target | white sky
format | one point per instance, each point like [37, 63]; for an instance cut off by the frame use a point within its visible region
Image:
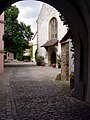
[29, 11]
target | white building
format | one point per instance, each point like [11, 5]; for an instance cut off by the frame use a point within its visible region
[50, 31]
[34, 41]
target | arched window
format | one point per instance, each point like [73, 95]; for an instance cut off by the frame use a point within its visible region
[53, 28]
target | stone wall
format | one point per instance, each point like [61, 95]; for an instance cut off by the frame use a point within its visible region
[1, 42]
[65, 61]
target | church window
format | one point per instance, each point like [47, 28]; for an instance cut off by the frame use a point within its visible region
[53, 28]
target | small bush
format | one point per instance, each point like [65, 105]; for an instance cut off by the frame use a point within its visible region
[39, 60]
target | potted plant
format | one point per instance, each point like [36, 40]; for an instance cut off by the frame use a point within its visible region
[72, 78]
[54, 65]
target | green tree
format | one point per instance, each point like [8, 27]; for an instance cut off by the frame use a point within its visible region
[16, 35]
[25, 31]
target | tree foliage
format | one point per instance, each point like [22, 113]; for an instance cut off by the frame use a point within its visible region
[63, 19]
[16, 35]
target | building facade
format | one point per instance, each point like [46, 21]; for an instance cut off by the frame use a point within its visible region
[1, 42]
[50, 30]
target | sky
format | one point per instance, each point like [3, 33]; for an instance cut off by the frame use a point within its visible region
[29, 11]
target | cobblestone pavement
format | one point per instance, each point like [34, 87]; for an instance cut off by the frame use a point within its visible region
[31, 93]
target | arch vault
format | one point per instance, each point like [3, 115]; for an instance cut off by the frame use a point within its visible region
[77, 14]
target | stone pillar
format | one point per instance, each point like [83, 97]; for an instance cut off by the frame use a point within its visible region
[65, 61]
[1, 42]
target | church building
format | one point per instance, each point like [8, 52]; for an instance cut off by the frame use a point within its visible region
[50, 31]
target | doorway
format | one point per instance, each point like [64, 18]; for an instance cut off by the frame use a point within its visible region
[53, 57]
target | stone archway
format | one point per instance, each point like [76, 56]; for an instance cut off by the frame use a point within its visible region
[77, 14]
[52, 55]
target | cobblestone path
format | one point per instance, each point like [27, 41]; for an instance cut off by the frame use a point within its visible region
[31, 93]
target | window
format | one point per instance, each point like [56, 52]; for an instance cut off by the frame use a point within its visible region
[53, 28]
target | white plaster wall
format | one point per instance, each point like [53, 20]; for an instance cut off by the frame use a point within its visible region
[34, 40]
[46, 14]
